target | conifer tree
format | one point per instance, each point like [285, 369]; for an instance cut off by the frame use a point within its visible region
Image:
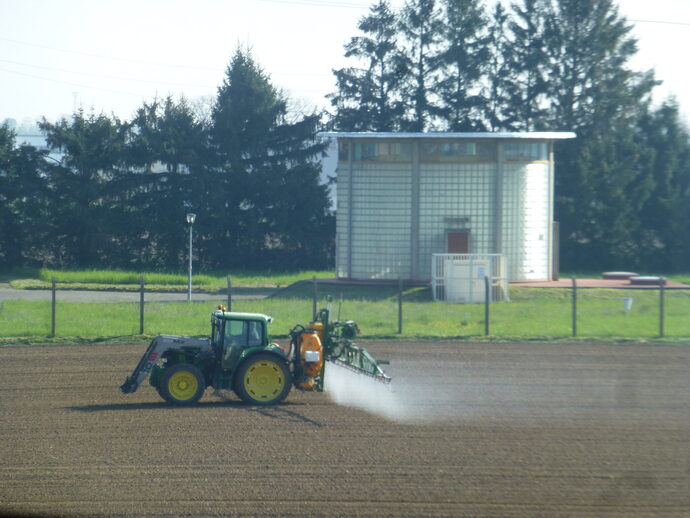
[94, 151]
[167, 148]
[420, 25]
[666, 214]
[368, 98]
[263, 199]
[527, 62]
[587, 48]
[603, 176]
[24, 203]
[497, 72]
[464, 53]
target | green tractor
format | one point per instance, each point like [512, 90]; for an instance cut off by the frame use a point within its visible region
[240, 357]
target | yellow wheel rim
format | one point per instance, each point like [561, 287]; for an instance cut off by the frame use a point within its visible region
[183, 385]
[264, 380]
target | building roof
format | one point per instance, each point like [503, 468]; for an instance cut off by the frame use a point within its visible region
[503, 135]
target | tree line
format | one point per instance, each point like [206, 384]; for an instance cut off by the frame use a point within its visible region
[622, 187]
[250, 169]
[119, 194]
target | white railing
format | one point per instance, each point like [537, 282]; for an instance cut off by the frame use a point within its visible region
[459, 278]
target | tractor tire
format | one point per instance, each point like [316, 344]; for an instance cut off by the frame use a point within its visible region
[263, 379]
[182, 384]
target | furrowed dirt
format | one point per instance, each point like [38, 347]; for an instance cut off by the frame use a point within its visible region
[478, 430]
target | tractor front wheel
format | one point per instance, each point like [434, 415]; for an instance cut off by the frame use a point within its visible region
[182, 384]
[263, 379]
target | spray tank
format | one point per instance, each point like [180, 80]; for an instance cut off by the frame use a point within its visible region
[326, 344]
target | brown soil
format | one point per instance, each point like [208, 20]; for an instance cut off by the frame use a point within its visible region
[528, 430]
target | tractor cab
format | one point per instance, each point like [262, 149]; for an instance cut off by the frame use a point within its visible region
[234, 333]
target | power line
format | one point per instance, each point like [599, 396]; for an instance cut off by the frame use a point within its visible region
[658, 21]
[102, 56]
[274, 72]
[321, 3]
[73, 84]
[119, 78]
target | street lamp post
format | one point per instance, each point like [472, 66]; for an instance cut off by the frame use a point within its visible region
[190, 219]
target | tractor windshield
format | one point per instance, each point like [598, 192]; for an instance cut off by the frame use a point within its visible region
[243, 333]
[240, 334]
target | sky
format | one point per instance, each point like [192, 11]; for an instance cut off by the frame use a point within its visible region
[111, 56]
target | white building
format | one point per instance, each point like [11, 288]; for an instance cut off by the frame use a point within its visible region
[405, 196]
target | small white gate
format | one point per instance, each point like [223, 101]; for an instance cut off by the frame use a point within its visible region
[459, 278]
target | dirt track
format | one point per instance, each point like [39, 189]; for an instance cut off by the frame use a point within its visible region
[529, 430]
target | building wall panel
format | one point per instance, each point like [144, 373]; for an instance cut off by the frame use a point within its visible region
[455, 197]
[381, 200]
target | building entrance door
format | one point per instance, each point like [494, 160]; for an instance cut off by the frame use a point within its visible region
[458, 242]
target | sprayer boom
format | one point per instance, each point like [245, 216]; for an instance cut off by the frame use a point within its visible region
[379, 376]
[324, 344]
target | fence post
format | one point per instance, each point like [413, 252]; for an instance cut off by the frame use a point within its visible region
[141, 305]
[662, 281]
[52, 318]
[315, 295]
[400, 305]
[486, 305]
[229, 293]
[574, 306]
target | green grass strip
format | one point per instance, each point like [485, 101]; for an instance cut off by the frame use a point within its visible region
[534, 314]
[214, 280]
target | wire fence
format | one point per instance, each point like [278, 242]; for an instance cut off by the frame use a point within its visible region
[644, 313]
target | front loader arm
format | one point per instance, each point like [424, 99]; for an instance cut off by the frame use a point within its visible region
[153, 354]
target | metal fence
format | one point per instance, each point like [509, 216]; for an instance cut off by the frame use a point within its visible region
[459, 278]
[573, 311]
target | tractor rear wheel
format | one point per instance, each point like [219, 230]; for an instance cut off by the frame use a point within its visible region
[182, 384]
[263, 379]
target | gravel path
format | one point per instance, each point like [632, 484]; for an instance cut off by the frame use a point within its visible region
[9, 293]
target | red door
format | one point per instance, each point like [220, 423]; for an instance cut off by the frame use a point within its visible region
[458, 242]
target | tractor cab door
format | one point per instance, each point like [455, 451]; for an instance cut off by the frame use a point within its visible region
[238, 335]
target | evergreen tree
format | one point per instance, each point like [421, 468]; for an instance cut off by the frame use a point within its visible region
[464, 52]
[168, 147]
[24, 203]
[368, 98]
[420, 25]
[603, 176]
[264, 201]
[82, 184]
[498, 72]
[588, 47]
[666, 213]
[527, 61]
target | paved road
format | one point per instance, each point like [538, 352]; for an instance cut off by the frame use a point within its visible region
[9, 293]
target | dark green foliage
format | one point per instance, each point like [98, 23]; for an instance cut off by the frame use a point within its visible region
[604, 177]
[421, 27]
[464, 54]
[24, 202]
[167, 152]
[527, 61]
[267, 207]
[369, 98]
[665, 216]
[498, 72]
[119, 195]
[82, 185]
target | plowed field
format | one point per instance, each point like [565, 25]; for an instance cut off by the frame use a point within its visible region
[477, 430]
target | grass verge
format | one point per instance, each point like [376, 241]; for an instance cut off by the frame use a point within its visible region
[118, 280]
